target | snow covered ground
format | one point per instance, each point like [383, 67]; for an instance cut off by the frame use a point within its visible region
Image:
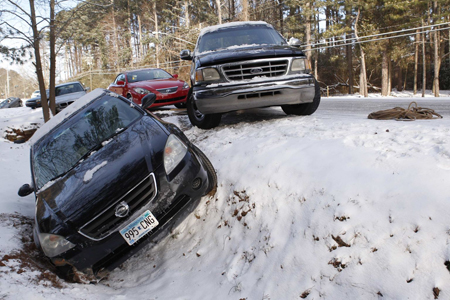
[328, 206]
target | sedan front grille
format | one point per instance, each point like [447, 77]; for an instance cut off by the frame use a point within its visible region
[258, 68]
[107, 221]
[169, 90]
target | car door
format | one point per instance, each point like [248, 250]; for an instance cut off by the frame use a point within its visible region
[118, 86]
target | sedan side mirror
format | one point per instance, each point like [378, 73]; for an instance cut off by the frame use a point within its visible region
[186, 55]
[148, 100]
[120, 82]
[25, 190]
[175, 76]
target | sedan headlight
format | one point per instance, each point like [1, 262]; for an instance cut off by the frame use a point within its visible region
[207, 74]
[53, 244]
[185, 86]
[174, 152]
[141, 91]
[299, 65]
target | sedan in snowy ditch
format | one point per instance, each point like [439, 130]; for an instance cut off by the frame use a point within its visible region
[243, 65]
[109, 176]
[136, 84]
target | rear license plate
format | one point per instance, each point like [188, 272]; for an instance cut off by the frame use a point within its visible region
[139, 227]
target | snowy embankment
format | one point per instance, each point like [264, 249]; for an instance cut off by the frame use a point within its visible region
[329, 206]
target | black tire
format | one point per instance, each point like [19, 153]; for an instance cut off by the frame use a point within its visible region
[304, 109]
[204, 121]
[180, 105]
[212, 176]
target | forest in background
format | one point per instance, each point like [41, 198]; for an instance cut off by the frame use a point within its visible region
[382, 44]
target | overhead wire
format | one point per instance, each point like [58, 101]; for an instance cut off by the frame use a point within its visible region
[359, 41]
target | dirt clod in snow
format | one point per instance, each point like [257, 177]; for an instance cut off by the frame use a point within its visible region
[436, 292]
[339, 241]
[337, 264]
[305, 294]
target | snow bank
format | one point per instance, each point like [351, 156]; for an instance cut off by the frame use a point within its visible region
[328, 206]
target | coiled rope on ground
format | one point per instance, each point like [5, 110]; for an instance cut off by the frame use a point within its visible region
[400, 114]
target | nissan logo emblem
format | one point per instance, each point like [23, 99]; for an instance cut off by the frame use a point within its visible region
[256, 70]
[122, 209]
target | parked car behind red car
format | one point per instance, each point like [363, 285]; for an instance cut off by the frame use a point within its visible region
[138, 83]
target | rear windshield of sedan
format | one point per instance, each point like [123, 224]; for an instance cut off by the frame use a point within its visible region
[239, 36]
[147, 75]
[61, 149]
[68, 89]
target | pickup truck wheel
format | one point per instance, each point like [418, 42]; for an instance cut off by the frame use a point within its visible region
[204, 121]
[304, 109]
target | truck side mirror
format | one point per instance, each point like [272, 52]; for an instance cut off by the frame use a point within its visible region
[186, 55]
[294, 42]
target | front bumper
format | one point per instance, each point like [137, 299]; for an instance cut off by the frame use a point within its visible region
[220, 98]
[162, 99]
[92, 257]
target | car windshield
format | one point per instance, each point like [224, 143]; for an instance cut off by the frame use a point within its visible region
[239, 36]
[68, 89]
[61, 149]
[143, 75]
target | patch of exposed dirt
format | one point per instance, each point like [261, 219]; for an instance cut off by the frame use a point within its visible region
[22, 134]
[337, 264]
[28, 259]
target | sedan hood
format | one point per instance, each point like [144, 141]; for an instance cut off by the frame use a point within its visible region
[247, 53]
[156, 84]
[104, 177]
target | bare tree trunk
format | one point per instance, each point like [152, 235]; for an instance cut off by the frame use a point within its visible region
[155, 15]
[141, 45]
[52, 59]
[399, 77]
[437, 57]
[385, 74]
[308, 31]
[187, 19]
[363, 73]
[38, 64]
[424, 67]
[416, 60]
[280, 15]
[116, 38]
[245, 9]
[219, 11]
[389, 76]
[349, 51]
[130, 40]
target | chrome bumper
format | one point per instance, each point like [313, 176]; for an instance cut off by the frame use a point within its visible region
[220, 98]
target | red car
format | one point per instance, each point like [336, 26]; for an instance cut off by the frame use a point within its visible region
[136, 84]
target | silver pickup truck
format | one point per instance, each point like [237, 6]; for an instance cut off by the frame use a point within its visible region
[242, 65]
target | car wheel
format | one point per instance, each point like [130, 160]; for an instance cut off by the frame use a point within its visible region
[212, 176]
[304, 109]
[180, 105]
[204, 121]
